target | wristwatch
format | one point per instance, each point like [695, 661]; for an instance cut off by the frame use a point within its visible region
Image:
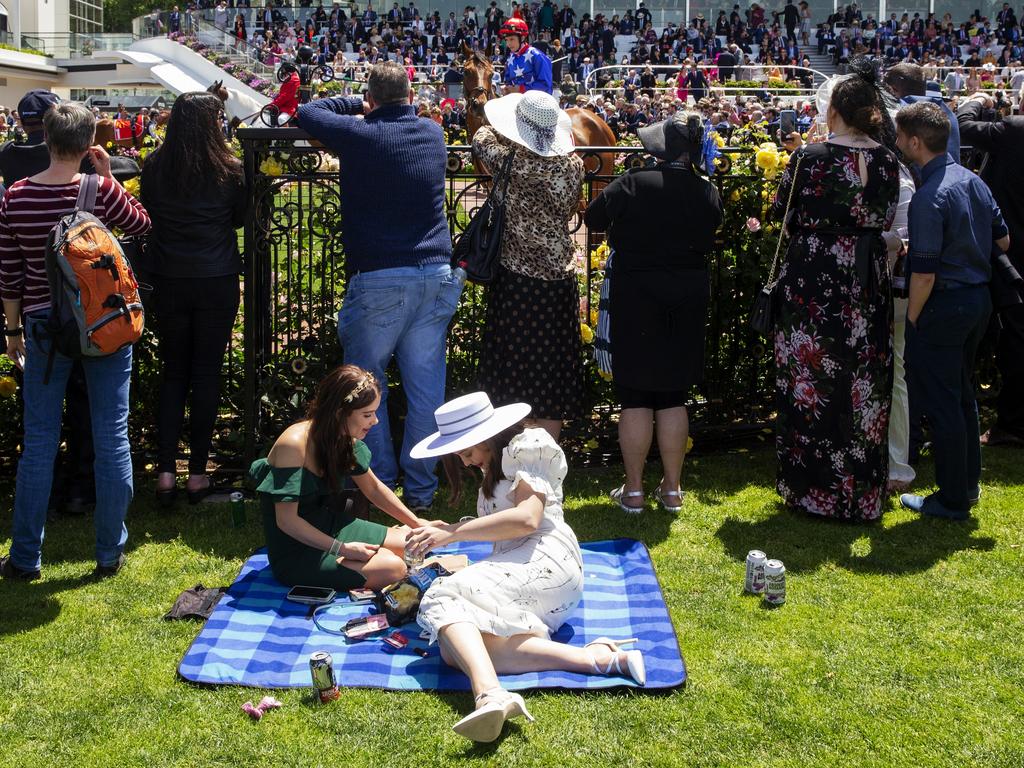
[9, 332]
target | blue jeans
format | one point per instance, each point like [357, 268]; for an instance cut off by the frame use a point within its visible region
[940, 360]
[108, 380]
[403, 313]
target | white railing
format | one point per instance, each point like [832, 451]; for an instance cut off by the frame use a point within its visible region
[713, 85]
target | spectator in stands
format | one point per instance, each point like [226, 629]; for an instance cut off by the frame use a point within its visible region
[531, 340]
[658, 299]
[401, 292]
[193, 188]
[28, 212]
[955, 81]
[726, 63]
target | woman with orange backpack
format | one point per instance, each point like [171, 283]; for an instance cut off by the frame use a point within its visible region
[29, 212]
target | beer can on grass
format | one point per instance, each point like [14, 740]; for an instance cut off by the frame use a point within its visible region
[321, 668]
[237, 509]
[775, 582]
[754, 582]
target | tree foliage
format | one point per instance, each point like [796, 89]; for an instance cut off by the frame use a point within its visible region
[118, 14]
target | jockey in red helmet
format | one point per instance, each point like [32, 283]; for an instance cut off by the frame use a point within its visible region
[528, 69]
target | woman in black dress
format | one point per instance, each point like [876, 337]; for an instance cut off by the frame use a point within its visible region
[658, 299]
[833, 344]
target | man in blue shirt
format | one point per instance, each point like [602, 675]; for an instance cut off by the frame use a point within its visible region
[953, 222]
[401, 291]
[528, 69]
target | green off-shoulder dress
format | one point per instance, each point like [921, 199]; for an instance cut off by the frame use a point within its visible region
[293, 562]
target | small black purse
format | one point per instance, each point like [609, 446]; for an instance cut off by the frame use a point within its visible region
[478, 249]
[764, 311]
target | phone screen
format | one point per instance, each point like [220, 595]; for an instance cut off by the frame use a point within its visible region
[787, 122]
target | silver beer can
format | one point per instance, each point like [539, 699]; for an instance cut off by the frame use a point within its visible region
[321, 668]
[775, 582]
[754, 582]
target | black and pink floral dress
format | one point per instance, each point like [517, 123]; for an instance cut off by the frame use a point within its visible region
[833, 347]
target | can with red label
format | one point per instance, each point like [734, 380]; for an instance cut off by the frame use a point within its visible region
[321, 667]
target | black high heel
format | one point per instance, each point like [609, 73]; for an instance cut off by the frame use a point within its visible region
[165, 499]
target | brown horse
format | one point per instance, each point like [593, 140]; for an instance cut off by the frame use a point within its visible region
[588, 130]
[105, 131]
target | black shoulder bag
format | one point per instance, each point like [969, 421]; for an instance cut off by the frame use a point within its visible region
[763, 313]
[478, 249]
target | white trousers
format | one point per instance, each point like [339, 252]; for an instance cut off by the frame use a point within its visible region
[899, 417]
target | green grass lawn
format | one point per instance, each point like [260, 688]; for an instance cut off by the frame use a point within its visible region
[900, 645]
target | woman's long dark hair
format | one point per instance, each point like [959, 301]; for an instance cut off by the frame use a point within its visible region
[455, 470]
[194, 154]
[346, 389]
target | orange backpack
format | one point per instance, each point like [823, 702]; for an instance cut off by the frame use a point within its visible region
[95, 305]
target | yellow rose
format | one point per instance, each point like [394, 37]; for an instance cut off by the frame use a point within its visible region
[605, 375]
[735, 196]
[271, 167]
[586, 333]
[719, 141]
[766, 159]
[689, 444]
[8, 386]
[593, 317]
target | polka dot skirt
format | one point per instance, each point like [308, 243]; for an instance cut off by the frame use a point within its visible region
[531, 345]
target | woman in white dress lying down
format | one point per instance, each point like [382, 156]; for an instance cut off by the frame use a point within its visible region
[496, 616]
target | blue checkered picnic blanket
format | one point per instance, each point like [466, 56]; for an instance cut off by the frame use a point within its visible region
[256, 637]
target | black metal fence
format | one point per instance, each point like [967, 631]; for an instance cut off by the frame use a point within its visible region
[294, 283]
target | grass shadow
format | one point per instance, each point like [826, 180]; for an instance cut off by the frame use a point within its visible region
[25, 606]
[806, 543]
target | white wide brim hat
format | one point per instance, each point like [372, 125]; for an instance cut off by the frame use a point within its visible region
[465, 422]
[533, 120]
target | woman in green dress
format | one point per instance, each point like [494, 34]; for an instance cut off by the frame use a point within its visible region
[313, 538]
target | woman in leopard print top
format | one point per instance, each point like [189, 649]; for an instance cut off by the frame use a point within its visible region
[531, 343]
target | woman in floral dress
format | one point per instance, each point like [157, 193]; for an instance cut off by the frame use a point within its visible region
[833, 347]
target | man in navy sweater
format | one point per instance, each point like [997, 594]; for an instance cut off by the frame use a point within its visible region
[401, 290]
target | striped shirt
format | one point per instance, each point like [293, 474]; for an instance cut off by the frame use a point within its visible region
[27, 214]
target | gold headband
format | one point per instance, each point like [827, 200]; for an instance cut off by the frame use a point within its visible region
[367, 381]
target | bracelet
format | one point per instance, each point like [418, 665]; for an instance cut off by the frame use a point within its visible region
[335, 549]
[14, 331]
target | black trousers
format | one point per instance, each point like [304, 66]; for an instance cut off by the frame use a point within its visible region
[1010, 360]
[194, 321]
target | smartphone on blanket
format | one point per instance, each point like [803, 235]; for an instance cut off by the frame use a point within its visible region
[311, 595]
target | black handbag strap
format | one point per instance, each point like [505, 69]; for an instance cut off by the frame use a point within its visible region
[502, 179]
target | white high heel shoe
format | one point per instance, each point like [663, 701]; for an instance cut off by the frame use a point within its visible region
[494, 707]
[634, 659]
